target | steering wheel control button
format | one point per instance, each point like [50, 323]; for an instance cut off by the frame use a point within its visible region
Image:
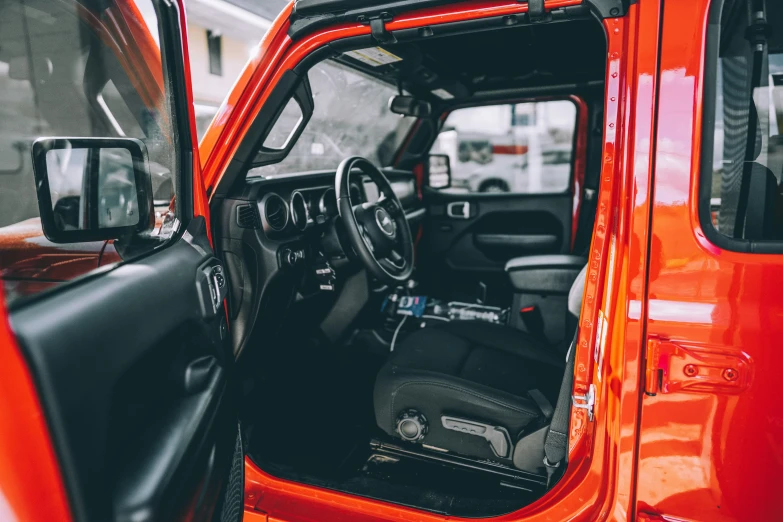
[412, 426]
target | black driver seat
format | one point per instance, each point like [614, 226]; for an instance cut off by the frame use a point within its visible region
[472, 388]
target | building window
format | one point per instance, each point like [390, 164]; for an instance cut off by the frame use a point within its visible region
[215, 49]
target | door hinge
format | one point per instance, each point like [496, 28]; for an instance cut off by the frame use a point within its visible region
[586, 401]
[378, 27]
[672, 367]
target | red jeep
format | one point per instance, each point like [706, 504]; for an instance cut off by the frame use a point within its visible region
[433, 260]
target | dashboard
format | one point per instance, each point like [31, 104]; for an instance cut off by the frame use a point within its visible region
[284, 210]
[280, 245]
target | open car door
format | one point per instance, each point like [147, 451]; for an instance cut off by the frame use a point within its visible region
[130, 358]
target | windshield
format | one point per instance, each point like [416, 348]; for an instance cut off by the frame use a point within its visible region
[351, 118]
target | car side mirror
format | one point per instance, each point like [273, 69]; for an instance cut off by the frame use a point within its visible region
[92, 189]
[409, 106]
[439, 171]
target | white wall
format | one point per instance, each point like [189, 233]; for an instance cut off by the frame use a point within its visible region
[208, 88]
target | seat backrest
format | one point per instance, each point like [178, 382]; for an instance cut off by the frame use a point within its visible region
[576, 293]
[761, 217]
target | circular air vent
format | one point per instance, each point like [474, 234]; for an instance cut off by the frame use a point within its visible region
[274, 212]
[299, 214]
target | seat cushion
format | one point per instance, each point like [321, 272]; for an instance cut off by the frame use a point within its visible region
[472, 370]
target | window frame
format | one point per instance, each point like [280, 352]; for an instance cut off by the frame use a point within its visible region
[704, 176]
[515, 101]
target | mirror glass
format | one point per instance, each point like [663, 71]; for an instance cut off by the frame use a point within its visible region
[92, 188]
[409, 106]
[285, 126]
[439, 171]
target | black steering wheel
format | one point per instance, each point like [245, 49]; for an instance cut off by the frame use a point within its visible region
[377, 231]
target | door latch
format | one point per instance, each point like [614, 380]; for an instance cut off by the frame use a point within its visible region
[672, 367]
[586, 401]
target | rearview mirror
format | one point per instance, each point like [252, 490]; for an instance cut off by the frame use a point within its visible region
[92, 189]
[409, 106]
[439, 171]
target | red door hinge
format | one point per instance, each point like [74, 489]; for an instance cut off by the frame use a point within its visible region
[674, 367]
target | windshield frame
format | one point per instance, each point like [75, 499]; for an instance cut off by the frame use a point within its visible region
[399, 134]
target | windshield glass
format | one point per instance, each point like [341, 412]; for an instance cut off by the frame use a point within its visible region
[351, 118]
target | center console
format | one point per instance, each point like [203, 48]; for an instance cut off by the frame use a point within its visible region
[399, 305]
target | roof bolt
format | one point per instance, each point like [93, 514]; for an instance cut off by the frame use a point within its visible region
[690, 370]
[730, 374]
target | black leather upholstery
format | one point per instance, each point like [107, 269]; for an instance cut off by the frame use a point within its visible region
[471, 370]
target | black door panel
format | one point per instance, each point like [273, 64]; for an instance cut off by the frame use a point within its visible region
[133, 368]
[463, 245]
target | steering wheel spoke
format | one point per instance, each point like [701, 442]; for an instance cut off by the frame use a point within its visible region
[390, 205]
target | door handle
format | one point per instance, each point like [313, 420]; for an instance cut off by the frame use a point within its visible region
[458, 210]
[198, 374]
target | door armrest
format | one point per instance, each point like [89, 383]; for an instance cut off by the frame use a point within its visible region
[549, 274]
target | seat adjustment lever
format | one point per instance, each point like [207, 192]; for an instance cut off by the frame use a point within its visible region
[497, 436]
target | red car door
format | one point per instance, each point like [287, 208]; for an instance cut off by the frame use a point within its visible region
[117, 400]
[711, 422]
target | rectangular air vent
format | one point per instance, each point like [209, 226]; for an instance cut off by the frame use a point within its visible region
[247, 216]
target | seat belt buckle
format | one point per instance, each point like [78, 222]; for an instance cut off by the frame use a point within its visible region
[532, 319]
[586, 401]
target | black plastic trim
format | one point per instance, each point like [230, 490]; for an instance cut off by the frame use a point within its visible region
[89, 347]
[250, 152]
[138, 152]
[171, 36]
[610, 8]
[708, 138]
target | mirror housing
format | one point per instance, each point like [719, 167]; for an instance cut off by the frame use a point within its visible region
[92, 189]
[409, 106]
[438, 173]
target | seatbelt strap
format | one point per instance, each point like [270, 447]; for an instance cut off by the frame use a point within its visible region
[556, 441]
[543, 403]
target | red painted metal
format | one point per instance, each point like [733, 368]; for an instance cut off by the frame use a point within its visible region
[674, 367]
[706, 446]
[714, 454]
[30, 484]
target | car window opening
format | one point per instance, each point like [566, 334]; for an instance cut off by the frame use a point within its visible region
[510, 130]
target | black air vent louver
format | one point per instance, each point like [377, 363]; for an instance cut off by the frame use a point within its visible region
[275, 212]
[247, 216]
